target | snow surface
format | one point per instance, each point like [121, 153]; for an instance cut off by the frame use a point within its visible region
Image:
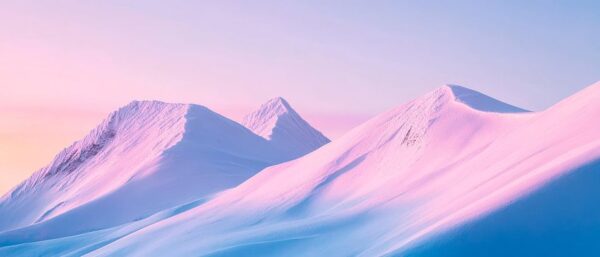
[277, 122]
[560, 219]
[392, 186]
[143, 158]
[480, 101]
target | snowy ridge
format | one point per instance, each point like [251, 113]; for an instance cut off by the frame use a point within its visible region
[264, 120]
[411, 121]
[383, 186]
[83, 150]
[55, 187]
[368, 178]
[480, 101]
[176, 152]
[391, 184]
[410, 130]
[277, 122]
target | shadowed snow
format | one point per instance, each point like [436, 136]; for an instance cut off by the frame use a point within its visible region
[398, 180]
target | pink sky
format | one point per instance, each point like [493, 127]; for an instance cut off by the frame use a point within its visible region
[65, 65]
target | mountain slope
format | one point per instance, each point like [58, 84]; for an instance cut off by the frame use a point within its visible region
[403, 176]
[393, 183]
[143, 158]
[277, 122]
[560, 219]
[480, 101]
[356, 195]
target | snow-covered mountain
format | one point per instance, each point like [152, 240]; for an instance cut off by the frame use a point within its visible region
[277, 122]
[143, 158]
[551, 190]
[394, 185]
[352, 194]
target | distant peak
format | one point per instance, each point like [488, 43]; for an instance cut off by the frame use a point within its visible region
[478, 100]
[150, 103]
[264, 120]
[277, 105]
[278, 100]
[277, 122]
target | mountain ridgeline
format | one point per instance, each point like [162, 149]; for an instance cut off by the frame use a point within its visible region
[152, 154]
[451, 173]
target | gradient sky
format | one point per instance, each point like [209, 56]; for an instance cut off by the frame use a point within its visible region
[64, 65]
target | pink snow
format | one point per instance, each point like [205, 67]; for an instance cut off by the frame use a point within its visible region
[403, 176]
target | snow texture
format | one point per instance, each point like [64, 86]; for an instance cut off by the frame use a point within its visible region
[453, 163]
[277, 122]
[143, 158]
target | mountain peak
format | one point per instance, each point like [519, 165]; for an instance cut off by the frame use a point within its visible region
[479, 101]
[148, 105]
[135, 146]
[263, 121]
[279, 123]
[409, 124]
[276, 106]
[278, 100]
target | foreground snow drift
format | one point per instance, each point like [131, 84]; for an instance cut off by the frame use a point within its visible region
[560, 219]
[391, 186]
